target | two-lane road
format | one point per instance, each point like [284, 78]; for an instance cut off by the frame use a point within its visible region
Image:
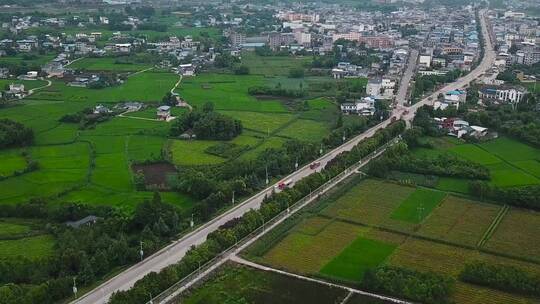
[176, 251]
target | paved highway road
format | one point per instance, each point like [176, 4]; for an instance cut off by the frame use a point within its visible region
[175, 251]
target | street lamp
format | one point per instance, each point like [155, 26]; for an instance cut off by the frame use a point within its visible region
[233, 197]
[296, 164]
[192, 222]
[141, 252]
[267, 180]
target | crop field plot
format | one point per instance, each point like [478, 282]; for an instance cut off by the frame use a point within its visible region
[321, 109]
[142, 147]
[272, 142]
[238, 284]
[517, 234]
[12, 161]
[313, 225]
[453, 184]
[510, 163]
[359, 256]
[144, 87]
[531, 166]
[426, 256]
[371, 202]
[474, 294]
[418, 205]
[306, 130]
[510, 149]
[227, 92]
[261, 122]
[107, 64]
[10, 229]
[273, 65]
[305, 253]
[60, 167]
[460, 221]
[505, 175]
[32, 61]
[191, 152]
[475, 154]
[30, 247]
[28, 84]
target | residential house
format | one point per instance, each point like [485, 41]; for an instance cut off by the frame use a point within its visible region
[364, 107]
[164, 113]
[186, 69]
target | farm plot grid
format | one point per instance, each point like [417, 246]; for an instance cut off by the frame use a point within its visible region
[352, 234]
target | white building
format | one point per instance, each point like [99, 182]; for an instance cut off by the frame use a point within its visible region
[365, 107]
[508, 94]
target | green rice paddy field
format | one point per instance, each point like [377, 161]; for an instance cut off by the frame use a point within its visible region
[94, 165]
[373, 222]
[510, 162]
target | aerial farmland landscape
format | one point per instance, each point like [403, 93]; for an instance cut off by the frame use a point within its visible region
[269, 151]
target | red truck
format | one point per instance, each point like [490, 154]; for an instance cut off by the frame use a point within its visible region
[284, 184]
[314, 165]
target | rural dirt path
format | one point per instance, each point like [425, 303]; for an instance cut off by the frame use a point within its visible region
[139, 72]
[184, 104]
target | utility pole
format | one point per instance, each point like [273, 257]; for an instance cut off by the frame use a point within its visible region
[266, 169]
[233, 197]
[296, 164]
[74, 288]
[141, 252]
[192, 222]
[344, 136]
[320, 150]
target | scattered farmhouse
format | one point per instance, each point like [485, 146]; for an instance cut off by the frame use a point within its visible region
[164, 113]
[365, 107]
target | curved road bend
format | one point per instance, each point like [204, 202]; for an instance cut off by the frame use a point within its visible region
[172, 253]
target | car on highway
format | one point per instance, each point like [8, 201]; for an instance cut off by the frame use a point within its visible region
[284, 184]
[314, 165]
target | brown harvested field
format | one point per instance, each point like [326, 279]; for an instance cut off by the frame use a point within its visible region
[518, 234]
[371, 202]
[472, 294]
[459, 220]
[425, 255]
[304, 253]
[312, 225]
[155, 175]
[386, 237]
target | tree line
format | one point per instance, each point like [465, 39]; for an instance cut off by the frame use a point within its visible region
[236, 229]
[425, 287]
[400, 158]
[502, 277]
[276, 91]
[520, 196]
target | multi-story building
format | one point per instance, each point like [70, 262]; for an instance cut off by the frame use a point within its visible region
[508, 94]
